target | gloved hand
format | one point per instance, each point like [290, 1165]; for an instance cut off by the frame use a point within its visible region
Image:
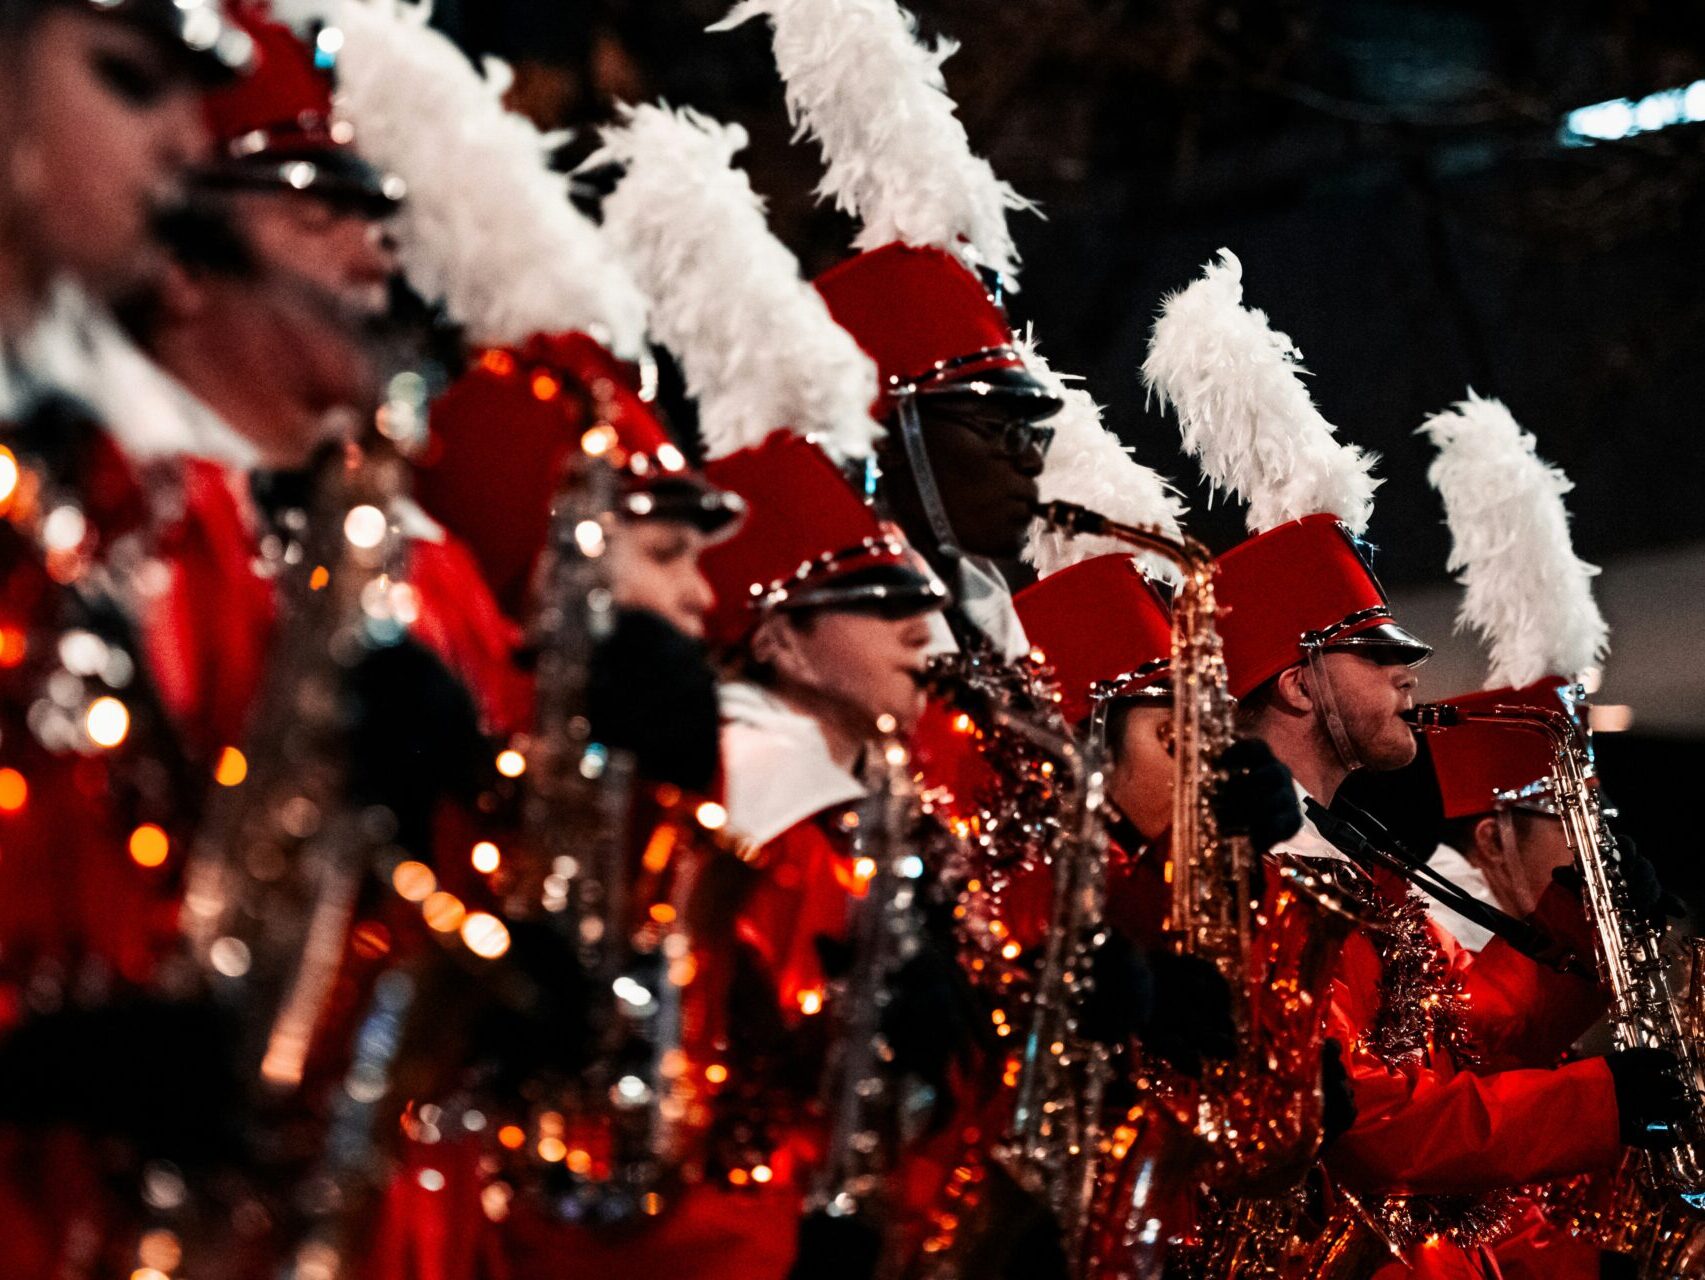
[1653, 903]
[161, 1076]
[844, 1248]
[1256, 796]
[1649, 1096]
[416, 739]
[651, 691]
[1178, 1006]
[1338, 1115]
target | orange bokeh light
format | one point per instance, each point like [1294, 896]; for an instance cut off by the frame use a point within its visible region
[14, 791]
[149, 845]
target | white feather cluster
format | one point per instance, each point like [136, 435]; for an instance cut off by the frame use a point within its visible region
[1089, 466]
[757, 346]
[487, 228]
[1525, 591]
[896, 157]
[1234, 382]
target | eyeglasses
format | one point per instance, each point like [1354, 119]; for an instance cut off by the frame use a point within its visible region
[1014, 438]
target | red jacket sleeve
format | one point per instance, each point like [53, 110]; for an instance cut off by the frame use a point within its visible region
[1524, 1013]
[1431, 1129]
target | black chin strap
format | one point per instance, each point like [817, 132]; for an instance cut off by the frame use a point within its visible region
[1529, 939]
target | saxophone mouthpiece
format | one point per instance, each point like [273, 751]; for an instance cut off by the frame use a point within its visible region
[1432, 715]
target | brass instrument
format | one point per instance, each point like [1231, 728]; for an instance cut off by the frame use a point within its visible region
[1052, 1138]
[272, 882]
[1252, 1123]
[866, 1109]
[1644, 1012]
[606, 1142]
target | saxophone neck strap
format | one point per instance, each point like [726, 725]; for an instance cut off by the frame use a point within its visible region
[1382, 850]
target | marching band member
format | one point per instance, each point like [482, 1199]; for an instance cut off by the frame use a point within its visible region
[1529, 597]
[1322, 672]
[820, 614]
[99, 117]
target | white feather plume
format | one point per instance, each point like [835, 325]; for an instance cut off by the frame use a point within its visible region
[487, 228]
[1525, 591]
[1089, 466]
[1234, 382]
[757, 346]
[871, 93]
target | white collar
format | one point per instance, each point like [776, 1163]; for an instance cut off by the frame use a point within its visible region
[982, 594]
[77, 348]
[1450, 864]
[776, 766]
[1308, 842]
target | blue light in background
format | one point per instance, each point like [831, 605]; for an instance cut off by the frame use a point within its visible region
[1625, 117]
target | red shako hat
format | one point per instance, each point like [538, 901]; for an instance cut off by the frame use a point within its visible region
[808, 541]
[1482, 767]
[275, 128]
[502, 432]
[1104, 630]
[1303, 585]
[930, 325]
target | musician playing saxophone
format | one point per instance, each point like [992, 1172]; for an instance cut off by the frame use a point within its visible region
[1322, 672]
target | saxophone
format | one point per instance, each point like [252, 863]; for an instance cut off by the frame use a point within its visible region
[604, 1145]
[1644, 1012]
[272, 882]
[1252, 1123]
[863, 1098]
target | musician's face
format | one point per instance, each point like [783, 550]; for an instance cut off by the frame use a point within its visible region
[1369, 695]
[98, 123]
[1142, 779]
[864, 664]
[1518, 853]
[655, 566]
[987, 481]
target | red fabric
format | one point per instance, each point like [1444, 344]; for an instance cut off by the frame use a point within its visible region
[1474, 762]
[423, 1233]
[1523, 1013]
[913, 309]
[461, 623]
[501, 434]
[208, 663]
[284, 94]
[1539, 1250]
[805, 528]
[1094, 622]
[1431, 1128]
[1300, 577]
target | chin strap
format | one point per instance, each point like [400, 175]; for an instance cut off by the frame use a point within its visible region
[1326, 700]
[923, 477]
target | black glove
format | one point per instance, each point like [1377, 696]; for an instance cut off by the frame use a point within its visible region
[1650, 1097]
[651, 691]
[1256, 796]
[844, 1248]
[1178, 1006]
[1652, 902]
[161, 1076]
[416, 739]
[1338, 1116]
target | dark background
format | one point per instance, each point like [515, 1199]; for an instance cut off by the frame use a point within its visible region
[1391, 175]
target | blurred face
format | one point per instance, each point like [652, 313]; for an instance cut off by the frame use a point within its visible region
[986, 472]
[1143, 776]
[98, 123]
[1517, 853]
[314, 296]
[1369, 695]
[860, 662]
[654, 565]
